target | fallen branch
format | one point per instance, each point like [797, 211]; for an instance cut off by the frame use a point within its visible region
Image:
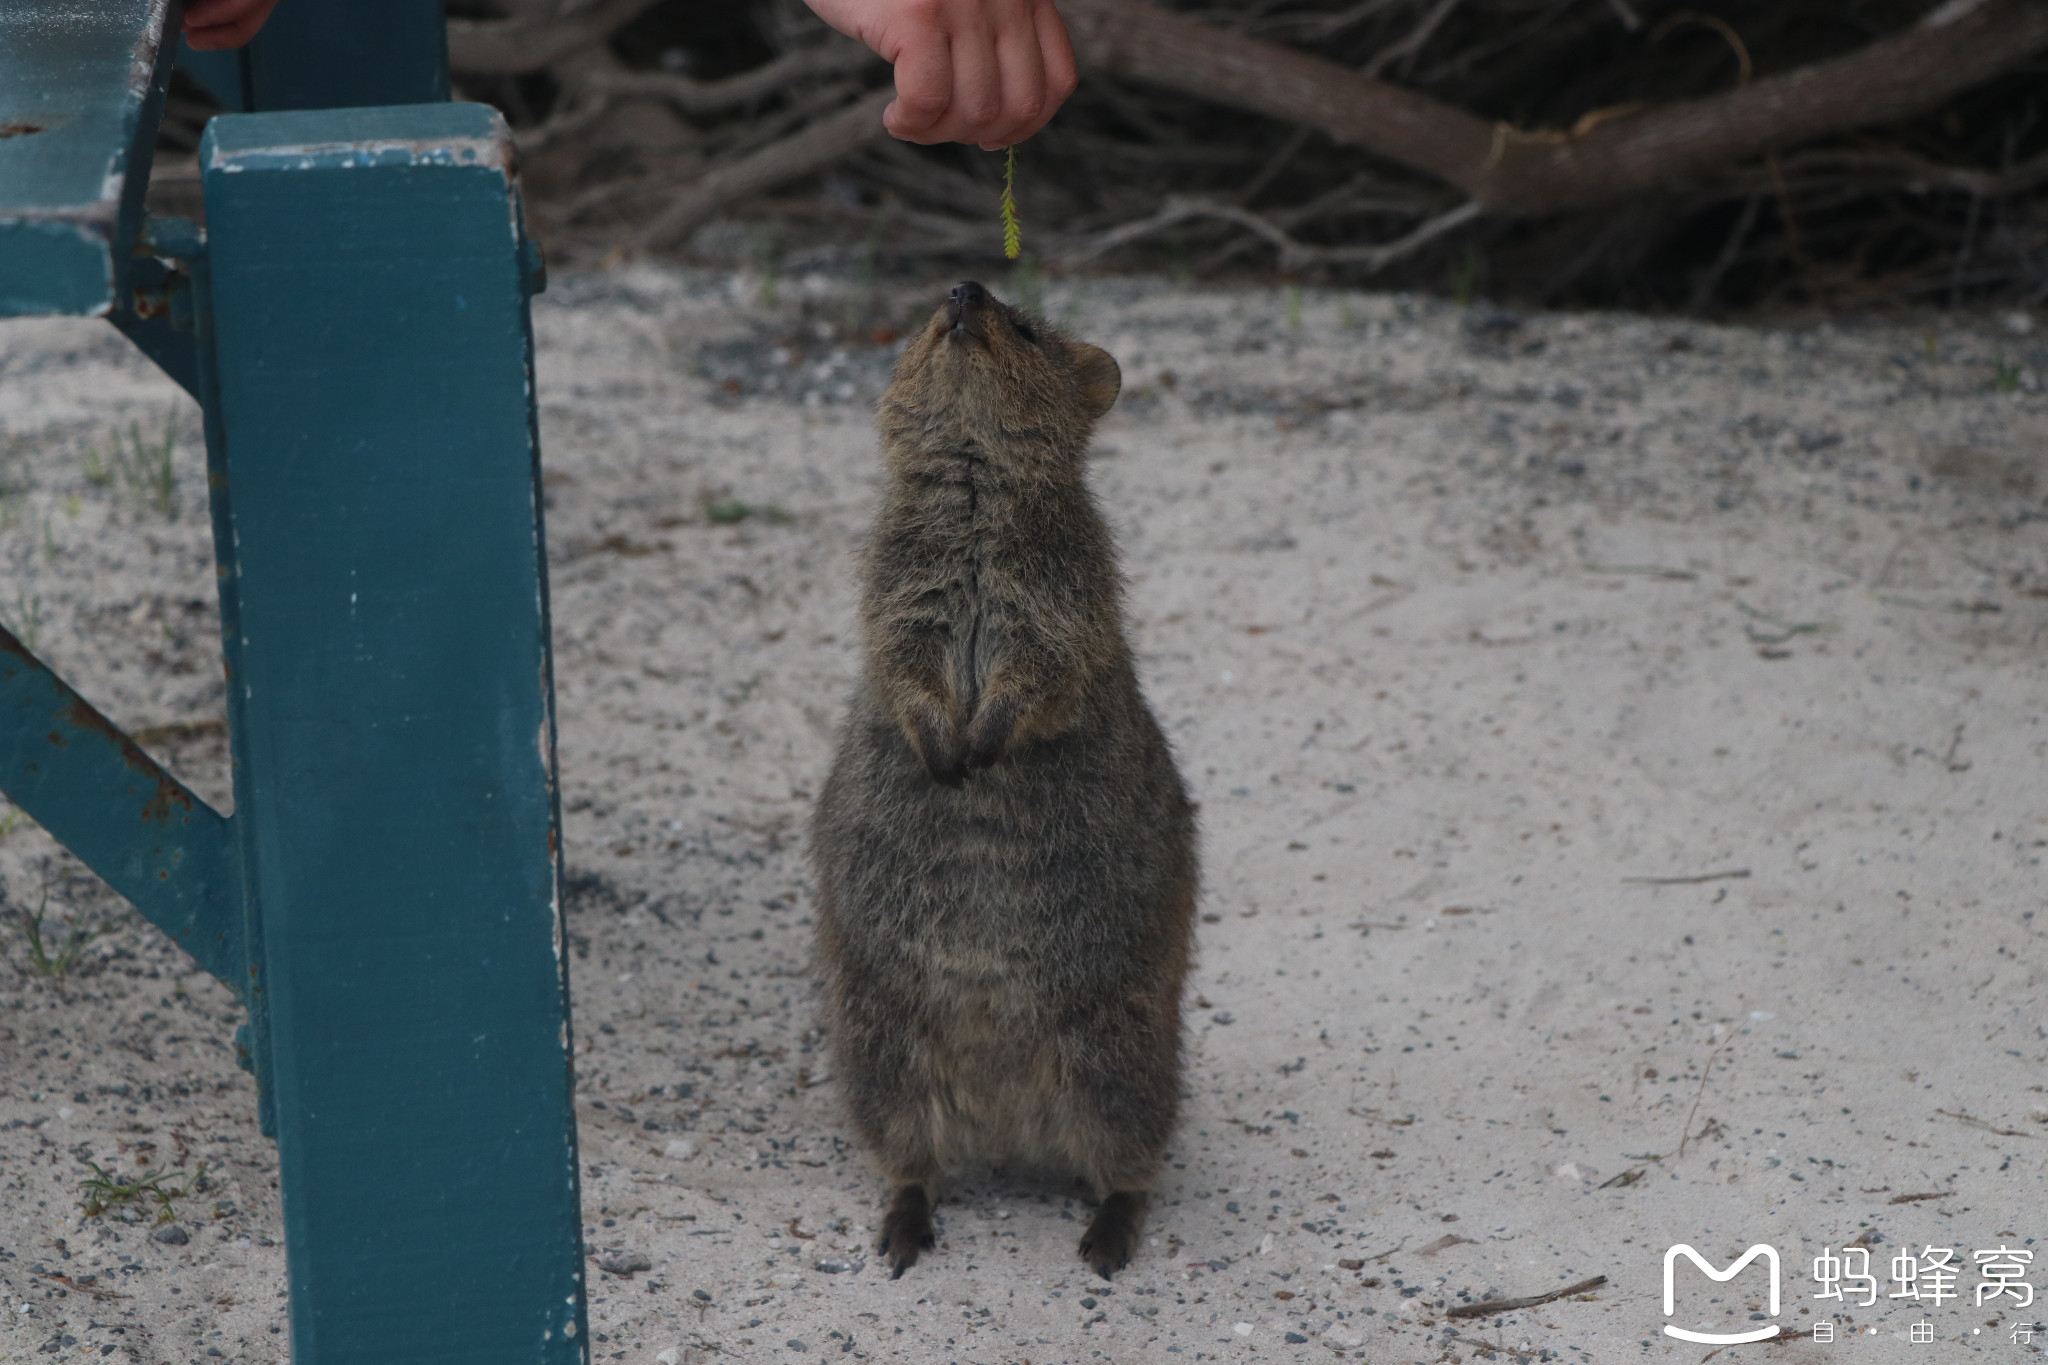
[1293, 254]
[1486, 1308]
[804, 153]
[708, 97]
[596, 92]
[1733, 874]
[1987, 1127]
[1610, 154]
[1877, 164]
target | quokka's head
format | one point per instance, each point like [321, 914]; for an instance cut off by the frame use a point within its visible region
[999, 377]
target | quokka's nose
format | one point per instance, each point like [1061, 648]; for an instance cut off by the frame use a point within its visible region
[968, 294]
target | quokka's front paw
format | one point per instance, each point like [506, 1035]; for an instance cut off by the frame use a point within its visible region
[988, 734]
[940, 746]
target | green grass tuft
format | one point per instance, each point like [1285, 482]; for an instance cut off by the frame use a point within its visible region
[45, 959]
[1465, 278]
[731, 512]
[24, 620]
[104, 1191]
[142, 468]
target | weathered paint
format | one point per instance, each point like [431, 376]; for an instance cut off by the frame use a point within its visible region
[322, 139]
[82, 88]
[158, 314]
[180, 241]
[370, 341]
[102, 797]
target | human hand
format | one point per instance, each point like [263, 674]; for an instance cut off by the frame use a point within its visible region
[214, 24]
[983, 71]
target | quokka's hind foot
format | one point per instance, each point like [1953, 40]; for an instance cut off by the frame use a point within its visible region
[906, 1229]
[1112, 1235]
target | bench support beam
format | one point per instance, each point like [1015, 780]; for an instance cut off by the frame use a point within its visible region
[102, 797]
[378, 499]
[386, 897]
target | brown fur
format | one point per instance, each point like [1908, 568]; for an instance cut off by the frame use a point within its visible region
[1005, 852]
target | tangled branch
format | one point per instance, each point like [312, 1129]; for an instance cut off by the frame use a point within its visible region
[1375, 150]
[1294, 255]
[509, 47]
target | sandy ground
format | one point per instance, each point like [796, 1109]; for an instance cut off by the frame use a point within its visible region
[1621, 762]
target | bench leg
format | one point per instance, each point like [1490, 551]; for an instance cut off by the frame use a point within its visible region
[376, 466]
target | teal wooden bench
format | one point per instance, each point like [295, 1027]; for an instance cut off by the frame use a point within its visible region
[385, 899]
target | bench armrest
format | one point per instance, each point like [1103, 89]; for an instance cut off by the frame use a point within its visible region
[81, 94]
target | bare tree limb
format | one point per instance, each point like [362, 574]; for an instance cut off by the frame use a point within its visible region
[819, 145]
[1878, 164]
[1404, 51]
[510, 47]
[568, 120]
[1293, 254]
[797, 113]
[650, 130]
[1610, 155]
[707, 97]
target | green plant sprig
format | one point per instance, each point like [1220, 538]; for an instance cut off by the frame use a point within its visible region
[1013, 231]
[47, 958]
[104, 1191]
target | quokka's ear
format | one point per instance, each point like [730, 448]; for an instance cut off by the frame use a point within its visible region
[1101, 381]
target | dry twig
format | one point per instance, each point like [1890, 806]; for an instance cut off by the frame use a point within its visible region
[1701, 1093]
[1487, 1308]
[1733, 874]
[1293, 254]
[819, 145]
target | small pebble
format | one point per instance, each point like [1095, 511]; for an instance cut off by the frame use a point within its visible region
[1243, 1329]
[173, 1235]
[624, 1262]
